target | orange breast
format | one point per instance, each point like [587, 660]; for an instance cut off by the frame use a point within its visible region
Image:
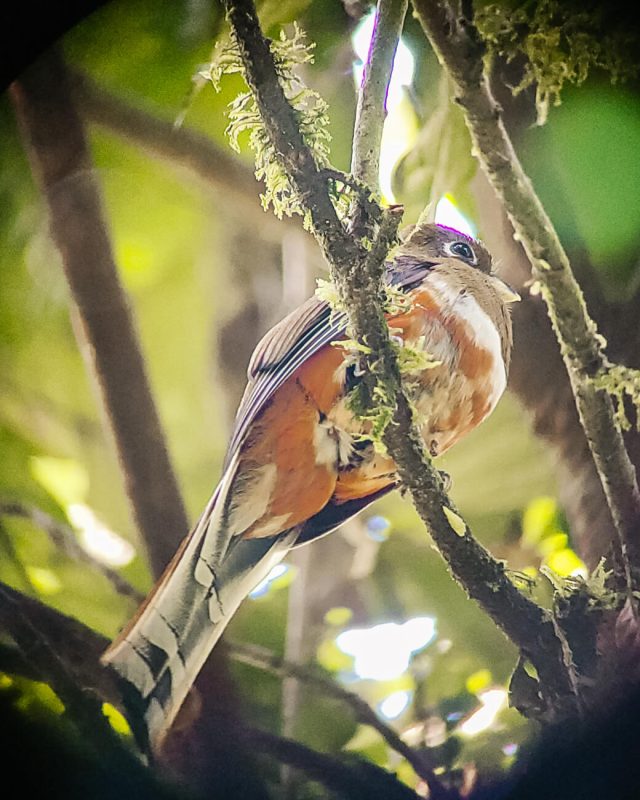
[456, 395]
[284, 436]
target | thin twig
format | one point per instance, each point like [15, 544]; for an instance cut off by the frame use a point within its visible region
[63, 537]
[371, 108]
[358, 277]
[261, 658]
[61, 162]
[460, 50]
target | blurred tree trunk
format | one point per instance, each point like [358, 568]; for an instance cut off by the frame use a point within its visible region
[61, 161]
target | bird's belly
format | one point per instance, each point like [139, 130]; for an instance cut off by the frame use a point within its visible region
[451, 406]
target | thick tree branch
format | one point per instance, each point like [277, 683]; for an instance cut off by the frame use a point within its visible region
[358, 276]
[76, 647]
[461, 51]
[60, 159]
[64, 653]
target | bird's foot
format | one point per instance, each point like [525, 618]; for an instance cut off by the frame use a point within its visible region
[446, 479]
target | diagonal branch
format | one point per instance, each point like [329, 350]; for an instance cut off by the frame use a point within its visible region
[461, 51]
[358, 276]
[351, 779]
[65, 667]
[261, 658]
[182, 147]
[63, 537]
[61, 162]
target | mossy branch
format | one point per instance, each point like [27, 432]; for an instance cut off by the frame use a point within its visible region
[357, 272]
[461, 50]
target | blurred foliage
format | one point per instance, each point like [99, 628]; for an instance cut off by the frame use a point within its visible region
[585, 168]
[171, 238]
[439, 162]
[40, 750]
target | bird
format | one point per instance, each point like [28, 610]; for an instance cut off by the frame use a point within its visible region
[300, 462]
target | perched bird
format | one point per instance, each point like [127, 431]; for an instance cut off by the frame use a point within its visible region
[299, 463]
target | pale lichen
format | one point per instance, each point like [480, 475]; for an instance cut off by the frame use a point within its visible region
[311, 111]
[621, 383]
[456, 522]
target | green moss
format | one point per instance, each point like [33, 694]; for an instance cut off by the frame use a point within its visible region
[559, 44]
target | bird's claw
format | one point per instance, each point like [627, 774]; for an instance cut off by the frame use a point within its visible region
[446, 479]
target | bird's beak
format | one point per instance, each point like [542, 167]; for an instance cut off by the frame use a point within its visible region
[507, 294]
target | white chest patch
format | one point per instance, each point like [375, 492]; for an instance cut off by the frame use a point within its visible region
[333, 446]
[479, 326]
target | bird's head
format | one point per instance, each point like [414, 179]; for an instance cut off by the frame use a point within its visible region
[465, 265]
[438, 243]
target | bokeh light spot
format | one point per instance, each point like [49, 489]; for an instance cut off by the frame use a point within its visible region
[383, 652]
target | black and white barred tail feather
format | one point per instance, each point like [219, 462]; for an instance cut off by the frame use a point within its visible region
[163, 651]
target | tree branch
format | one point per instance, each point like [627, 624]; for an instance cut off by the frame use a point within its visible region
[353, 778]
[371, 108]
[61, 162]
[181, 146]
[460, 50]
[66, 657]
[77, 651]
[358, 275]
[282, 128]
[64, 538]
[263, 659]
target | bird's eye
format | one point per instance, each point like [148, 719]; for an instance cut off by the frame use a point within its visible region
[463, 250]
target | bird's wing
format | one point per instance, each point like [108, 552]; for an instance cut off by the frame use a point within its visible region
[277, 356]
[296, 338]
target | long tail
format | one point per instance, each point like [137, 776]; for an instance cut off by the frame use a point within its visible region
[161, 652]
